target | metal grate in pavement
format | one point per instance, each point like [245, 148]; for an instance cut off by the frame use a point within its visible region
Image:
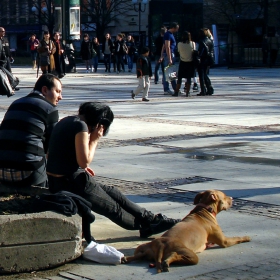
[162, 190]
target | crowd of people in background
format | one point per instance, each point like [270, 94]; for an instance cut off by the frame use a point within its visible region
[121, 52]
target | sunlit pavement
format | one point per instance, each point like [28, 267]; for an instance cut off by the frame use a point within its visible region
[162, 152]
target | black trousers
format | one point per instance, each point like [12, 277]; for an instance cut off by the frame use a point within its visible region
[119, 62]
[106, 200]
[204, 80]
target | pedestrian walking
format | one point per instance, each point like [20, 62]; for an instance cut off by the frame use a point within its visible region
[86, 52]
[59, 56]
[95, 53]
[144, 74]
[33, 44]
[158, 46]
[168, 54]
[186, 68]
[131, 52]
[5, 55]
[107, 50]
[206, 55]
[120, 51]
[46, 49]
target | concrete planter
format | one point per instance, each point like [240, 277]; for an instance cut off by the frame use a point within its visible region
[38, 241]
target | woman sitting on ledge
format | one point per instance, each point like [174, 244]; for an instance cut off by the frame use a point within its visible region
[72, 147]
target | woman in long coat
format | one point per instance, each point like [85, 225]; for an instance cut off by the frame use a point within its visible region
[46, 49]
[86, 52]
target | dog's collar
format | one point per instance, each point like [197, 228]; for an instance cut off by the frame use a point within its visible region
[208, 208]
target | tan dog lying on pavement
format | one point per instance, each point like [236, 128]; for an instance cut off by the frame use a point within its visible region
[192, 235]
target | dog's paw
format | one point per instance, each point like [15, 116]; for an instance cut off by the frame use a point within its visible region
[165, 266]
[246, 238]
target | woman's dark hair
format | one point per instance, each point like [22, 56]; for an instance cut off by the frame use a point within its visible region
[132, 39]
[97, 40]
[46, 32]
[186, 37]
[97, 113]
[201, 34]
[108, 34]
[46, 80]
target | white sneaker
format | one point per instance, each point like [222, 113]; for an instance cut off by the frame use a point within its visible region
[168, 92]
[91, 70]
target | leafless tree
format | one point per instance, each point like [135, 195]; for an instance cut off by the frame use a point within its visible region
[100, 14]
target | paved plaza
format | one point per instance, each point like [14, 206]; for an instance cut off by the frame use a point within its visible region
[163, 152]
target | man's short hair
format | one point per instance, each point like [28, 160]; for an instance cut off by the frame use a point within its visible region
[46, 80]
[145, 50]
[174, 25]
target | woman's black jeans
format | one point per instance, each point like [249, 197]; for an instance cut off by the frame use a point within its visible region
[106, 200]
[107, 61]
[205, 83]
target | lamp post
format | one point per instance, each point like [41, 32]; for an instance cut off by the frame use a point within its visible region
[137, 4]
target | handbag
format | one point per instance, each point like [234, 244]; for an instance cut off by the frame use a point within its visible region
[170, 73]
[44, 60]
[125, 48]
[94, 53]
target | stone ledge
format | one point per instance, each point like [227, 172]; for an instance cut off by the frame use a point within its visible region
[38, 241]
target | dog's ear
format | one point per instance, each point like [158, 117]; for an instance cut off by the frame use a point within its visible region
[213, 196]
[198, 197]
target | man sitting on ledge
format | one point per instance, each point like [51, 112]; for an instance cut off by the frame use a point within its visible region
[25, 132]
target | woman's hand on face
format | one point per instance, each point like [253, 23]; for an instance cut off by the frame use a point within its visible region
[96, 133]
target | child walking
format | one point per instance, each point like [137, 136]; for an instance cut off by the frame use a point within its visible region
[144, 74]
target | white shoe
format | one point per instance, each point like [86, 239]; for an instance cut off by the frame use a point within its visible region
[91, 70]
[168, 92]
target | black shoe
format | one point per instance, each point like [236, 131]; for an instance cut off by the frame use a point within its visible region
[105, 70]
[159, 224]
[201, 94]
[156, 82]
[210, 91]
[16, 89]
[188, 94]
[175, 94]
[132, 95]
[145, 99]
[195, 87]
